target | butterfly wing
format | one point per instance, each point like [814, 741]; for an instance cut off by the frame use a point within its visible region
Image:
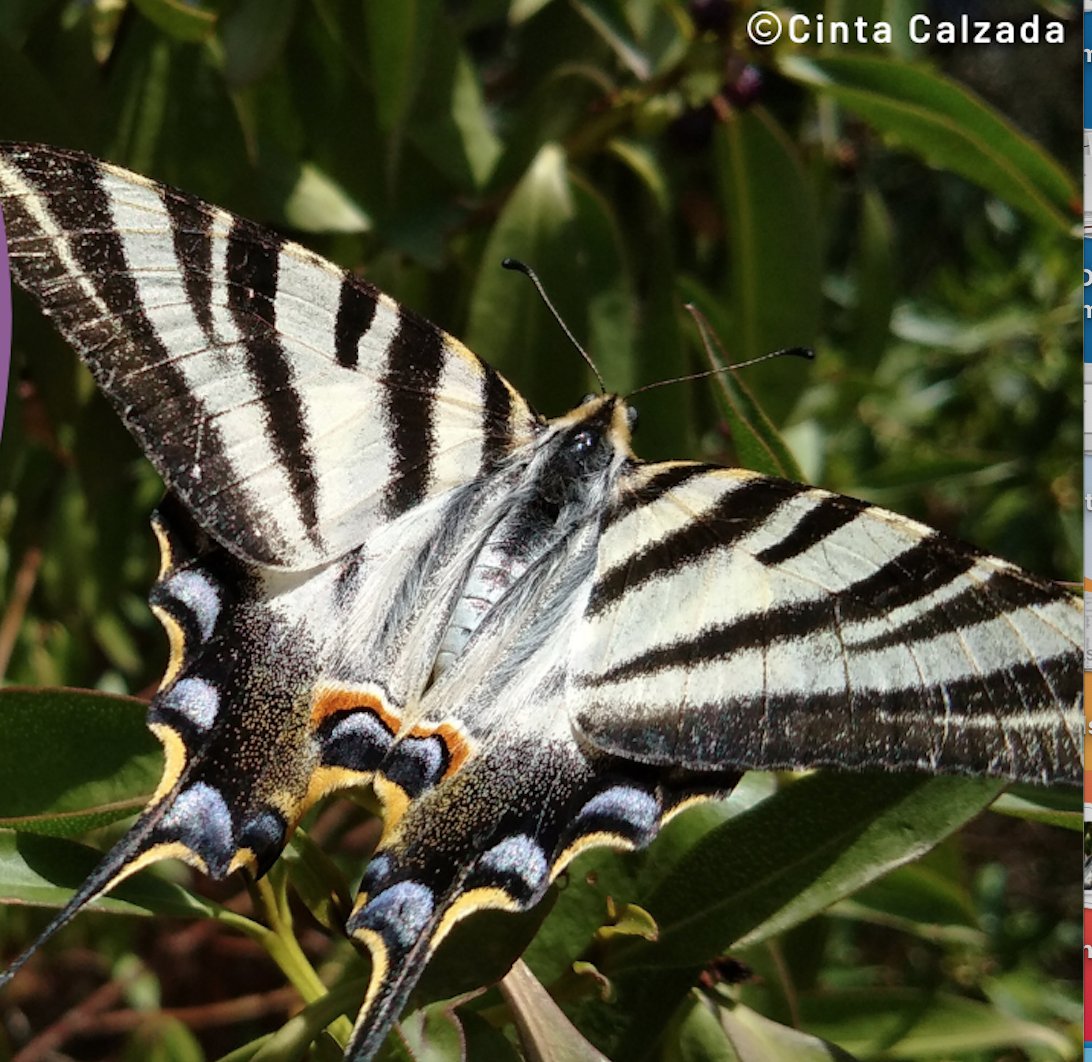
[291, 406]
[742, 621]
[295, 413]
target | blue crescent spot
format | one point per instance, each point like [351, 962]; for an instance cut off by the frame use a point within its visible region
[427, 752]
[200, 819]
[5, 322]
[195, 699]
[402, 912]
[626, 804]
[362, 725]
[200, 596]
[519, 855]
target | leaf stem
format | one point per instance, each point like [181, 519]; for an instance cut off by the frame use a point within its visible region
[280, 942]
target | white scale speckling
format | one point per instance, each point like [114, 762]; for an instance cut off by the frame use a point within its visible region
[364, 725]
[426, 751]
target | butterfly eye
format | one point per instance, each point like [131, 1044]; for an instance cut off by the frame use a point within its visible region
[631, 418]
[585, 441]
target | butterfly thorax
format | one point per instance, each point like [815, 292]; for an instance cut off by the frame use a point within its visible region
[570, 471]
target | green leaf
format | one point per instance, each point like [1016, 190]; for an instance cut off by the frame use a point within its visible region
[949, 127]
[71, 760]
[479, 951]
[918, 899]
[1055, 807]
[735, 1033]
[398, 41]
[318, 881]
[836, 833]
[140, 93]
[246, 1051]
[629, 920]
[773, 240]
[450, 124]
[874, 270]
[570, 236]
[607, 18]
[181, 19]
[254, 35]
[646, 167]
[757, 443]
[812, 843]
[45, 871]
[583, 894]
[522, 10]
[161, 1038]
[314, 202]
[431, 1034]
[907, 1024]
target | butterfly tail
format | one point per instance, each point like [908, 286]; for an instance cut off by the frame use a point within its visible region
[135, 850]
[397, 929]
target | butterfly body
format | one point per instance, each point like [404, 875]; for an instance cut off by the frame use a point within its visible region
[381, 567]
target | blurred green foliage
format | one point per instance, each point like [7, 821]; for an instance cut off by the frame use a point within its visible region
[640, 154]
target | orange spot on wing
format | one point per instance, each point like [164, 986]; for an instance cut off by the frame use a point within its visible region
[457, 744]
[328, 700]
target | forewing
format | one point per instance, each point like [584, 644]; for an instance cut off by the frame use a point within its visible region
[742, 621]
[291, 406]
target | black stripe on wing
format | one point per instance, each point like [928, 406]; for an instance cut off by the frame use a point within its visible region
[252, 269]
[415, 363]
[497, 420]
[739, 512]
[355, 313]
[995, 597]
[99, 309]
[832, 513]
[659, 484]
[191, 230]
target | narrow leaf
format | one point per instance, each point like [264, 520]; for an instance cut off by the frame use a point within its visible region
[185, 21]
[774, 248]
[812, 843]
[45, 871]
[905, 1024]
[948, 127]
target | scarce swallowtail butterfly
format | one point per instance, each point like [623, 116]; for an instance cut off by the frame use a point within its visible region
[381, 566]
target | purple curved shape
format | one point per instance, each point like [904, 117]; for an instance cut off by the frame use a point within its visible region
[5, 322]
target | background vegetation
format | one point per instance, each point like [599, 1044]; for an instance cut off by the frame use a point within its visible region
[868, 201]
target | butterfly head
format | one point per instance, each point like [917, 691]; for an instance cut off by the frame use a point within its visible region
[598, 431]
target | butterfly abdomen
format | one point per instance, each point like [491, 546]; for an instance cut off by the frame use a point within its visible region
[562, 488]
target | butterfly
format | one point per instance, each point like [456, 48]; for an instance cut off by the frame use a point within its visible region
[381, 566]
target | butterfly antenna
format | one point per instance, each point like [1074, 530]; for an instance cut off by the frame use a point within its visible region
[709, 340]
[522, 267]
